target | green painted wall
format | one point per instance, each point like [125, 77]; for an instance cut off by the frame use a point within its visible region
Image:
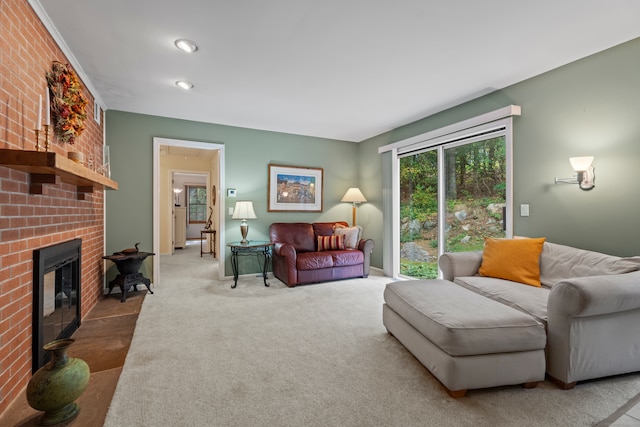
[248, 153]
[589, 107]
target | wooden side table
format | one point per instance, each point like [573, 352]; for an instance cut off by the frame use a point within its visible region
[212, 242]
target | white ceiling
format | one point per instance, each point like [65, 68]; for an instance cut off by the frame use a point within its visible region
[342, 69]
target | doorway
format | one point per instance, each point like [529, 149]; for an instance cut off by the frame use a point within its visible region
[188, 157]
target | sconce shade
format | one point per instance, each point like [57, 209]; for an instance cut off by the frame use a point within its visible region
[244, 211]
[585, 173]
[581, 164]
[177, 192]
[353, 195]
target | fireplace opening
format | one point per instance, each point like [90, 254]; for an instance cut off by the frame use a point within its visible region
[56, 296]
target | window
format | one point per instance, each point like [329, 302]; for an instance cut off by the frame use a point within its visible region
[429, 182]
[197, 204]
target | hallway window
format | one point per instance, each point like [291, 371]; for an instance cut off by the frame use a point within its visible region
[197, 199]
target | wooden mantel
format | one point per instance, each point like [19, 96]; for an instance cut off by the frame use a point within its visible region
[47, 167]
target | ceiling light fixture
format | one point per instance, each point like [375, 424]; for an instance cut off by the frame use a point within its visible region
[186, 45]
[184, 85]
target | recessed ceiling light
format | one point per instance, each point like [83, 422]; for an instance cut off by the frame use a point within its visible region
[184, 85]
[186, 45]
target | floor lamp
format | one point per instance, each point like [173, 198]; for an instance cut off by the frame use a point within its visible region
[353, 195]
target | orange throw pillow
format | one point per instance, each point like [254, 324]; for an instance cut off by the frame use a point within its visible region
[517, 260]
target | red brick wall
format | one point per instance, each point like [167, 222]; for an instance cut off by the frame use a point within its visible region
[29, 222]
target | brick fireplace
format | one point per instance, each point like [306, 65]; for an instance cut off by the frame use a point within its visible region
[30, 222]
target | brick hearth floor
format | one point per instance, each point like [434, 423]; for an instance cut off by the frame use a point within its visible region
[102, 341]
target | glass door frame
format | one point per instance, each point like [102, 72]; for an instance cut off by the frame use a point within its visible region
[503, 127]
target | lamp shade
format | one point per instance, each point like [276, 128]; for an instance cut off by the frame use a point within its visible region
[244, 210]
[581, 164]
[353, 195]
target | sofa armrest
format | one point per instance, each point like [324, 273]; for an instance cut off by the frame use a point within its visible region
[594, 295]
[366, 246]
[285, 250]
[588, 317]
[459, 264]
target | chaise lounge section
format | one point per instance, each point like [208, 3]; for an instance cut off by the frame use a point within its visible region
[588, 304]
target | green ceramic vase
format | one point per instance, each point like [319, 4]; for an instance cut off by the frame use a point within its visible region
[55, 386]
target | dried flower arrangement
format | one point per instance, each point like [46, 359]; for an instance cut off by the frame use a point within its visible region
[67, 102]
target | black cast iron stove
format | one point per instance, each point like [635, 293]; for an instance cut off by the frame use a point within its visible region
[128, 262]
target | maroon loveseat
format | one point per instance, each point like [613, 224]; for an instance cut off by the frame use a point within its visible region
[296, 259]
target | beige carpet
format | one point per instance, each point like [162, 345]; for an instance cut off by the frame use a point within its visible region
[204, 354]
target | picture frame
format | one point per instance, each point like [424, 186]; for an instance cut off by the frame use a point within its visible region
[295, 189]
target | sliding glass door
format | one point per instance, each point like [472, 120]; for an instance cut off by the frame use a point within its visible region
[452, 195]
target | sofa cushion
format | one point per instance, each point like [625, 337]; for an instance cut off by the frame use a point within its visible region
[559, 262]
[342, 258]
[314, 260]
[528, 299]
[330, 243]
[462, 322]
[326, 228]
[517, 260]
[298, 234]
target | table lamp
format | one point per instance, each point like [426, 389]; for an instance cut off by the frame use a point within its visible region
[244, 211]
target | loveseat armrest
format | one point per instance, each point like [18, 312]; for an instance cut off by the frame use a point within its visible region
[285, 250]
[284, 263]
[595, 295]
[459, 264]
[366, 246]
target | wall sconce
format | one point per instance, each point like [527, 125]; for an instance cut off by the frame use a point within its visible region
[244, 211]
[177, 192]
[353, 195]
[585, 173]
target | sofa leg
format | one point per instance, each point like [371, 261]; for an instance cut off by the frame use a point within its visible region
[562, 384]
[533, 384]
[456, 393]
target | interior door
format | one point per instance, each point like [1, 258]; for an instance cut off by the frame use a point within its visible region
[173, 216]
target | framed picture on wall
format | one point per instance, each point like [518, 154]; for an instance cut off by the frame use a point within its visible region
[295, 189]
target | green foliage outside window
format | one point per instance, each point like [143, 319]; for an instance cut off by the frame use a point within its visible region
[475, 176]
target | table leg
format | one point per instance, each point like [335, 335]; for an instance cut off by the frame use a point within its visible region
[234, 267]
[201, 233]
[264, 269]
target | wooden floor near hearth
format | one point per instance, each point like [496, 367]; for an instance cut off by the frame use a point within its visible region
[102, 341]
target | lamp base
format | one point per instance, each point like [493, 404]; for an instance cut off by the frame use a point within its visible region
[244, 229]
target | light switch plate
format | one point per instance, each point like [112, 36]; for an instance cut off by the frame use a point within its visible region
[524, 210]
[230, 211]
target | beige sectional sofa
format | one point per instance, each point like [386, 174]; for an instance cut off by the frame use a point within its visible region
[588, 304]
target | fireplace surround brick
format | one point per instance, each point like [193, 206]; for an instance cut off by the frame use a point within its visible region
[29, 222]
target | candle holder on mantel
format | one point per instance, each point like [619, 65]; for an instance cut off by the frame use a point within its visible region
[46, 138]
